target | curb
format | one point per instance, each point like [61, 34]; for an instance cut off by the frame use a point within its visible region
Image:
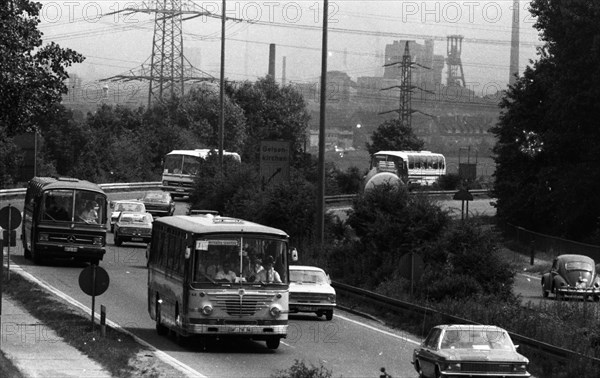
[183, 368]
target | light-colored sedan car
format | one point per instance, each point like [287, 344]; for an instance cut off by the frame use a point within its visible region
[311, 291]
[467, 350]
[124, 205]
[133, 227]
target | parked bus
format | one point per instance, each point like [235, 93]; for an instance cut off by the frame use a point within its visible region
[406, 167]
[201, 279]
[64, 217]
[180, 168]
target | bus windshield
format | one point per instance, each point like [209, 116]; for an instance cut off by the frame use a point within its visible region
[227, 259]
[68, 205]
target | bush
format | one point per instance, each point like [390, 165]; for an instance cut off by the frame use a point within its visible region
[300, 370]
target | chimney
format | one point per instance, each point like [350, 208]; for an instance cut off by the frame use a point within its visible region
[272, 60]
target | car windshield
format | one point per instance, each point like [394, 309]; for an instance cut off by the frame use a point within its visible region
[477, 339]
[307, 276]
[228, 258]
[135, 218]
[136, 207]
[578, 265]
[154, 197]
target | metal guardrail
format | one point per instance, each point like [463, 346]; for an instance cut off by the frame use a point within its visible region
[134, 186]
[398, 305]
[19, 193]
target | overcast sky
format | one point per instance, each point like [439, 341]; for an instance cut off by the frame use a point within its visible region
[358, 32]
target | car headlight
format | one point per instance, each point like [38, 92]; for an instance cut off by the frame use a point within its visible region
[453, 366]
[275, 311]
[207, 310]
[331, 298]
[43, 237]
[98, 240]
[519, 368]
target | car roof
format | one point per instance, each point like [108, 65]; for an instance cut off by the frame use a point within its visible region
[306, 267]
[127, 201]
[470, 327]
[572, 257]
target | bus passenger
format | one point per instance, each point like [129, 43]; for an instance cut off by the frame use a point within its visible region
[269, 274]
[225, 272]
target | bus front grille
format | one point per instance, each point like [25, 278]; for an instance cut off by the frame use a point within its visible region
[242, 305]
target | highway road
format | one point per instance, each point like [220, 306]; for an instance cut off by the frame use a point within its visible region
[348, 345]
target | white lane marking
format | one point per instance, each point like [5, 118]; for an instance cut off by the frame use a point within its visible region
[378, 330]
[185, 369]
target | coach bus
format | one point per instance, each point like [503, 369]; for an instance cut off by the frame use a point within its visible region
[64, 218]
[405, 167]
[202, 279]
[180, 168]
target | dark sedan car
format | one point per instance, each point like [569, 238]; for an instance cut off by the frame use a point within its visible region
[159, 203]
[572, 275]
[133, 227]
[465, 350]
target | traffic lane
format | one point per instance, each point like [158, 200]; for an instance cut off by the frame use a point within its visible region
[346, 345]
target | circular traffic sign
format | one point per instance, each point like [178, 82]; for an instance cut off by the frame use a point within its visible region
[10, 218]
[93, 284]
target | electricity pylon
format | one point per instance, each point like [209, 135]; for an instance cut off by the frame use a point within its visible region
[168, 70]
[405, 110]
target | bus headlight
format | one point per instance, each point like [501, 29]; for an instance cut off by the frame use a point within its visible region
[43, 237]
[275, 311]
[207, 310]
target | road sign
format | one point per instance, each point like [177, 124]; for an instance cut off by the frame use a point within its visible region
[93, 280]
[10, 218]
[274, 162]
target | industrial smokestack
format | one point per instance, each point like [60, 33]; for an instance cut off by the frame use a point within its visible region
[272, 60]
[514, 45]
[283, 72]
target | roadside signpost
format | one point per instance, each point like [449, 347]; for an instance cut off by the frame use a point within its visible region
[94, 281]
[10, 219]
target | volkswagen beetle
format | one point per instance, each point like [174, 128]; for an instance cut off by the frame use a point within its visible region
[572, 275]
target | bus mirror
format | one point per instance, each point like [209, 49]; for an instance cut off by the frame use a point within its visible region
[188, 252]
[294, 254]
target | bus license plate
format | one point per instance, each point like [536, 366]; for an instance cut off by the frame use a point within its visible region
[241, 329]
[70, 249]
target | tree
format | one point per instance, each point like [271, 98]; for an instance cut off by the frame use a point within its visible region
[272, 112]
[392, 135]
[32, 75]
[547, 152]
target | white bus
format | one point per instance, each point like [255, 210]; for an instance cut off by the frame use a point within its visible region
[204, 278]
[406, 167]
[180, 168]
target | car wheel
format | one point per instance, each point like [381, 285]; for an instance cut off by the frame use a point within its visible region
[160, 329]
[419, 370]
[329, 314]
[544, 293]
[273, 342]
[596, 298]
[438, 373]
[118, 240]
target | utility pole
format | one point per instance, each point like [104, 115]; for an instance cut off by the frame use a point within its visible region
[323, 103]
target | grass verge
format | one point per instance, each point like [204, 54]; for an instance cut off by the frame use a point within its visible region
[120, 354]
